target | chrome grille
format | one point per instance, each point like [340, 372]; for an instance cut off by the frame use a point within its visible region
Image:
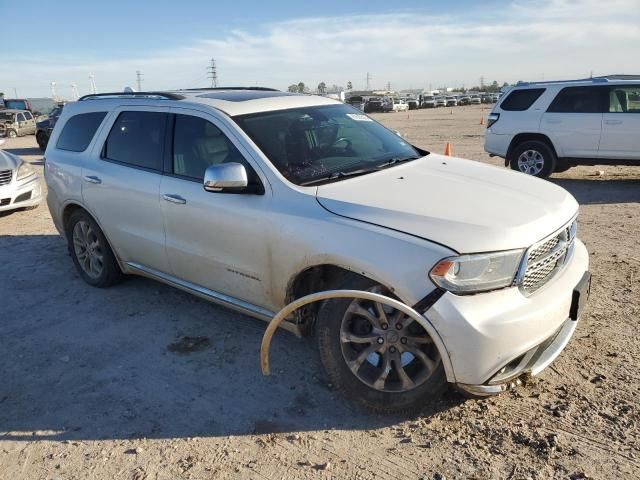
[5, 176]
[544, 259]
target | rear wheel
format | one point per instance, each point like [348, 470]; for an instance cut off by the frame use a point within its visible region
[533, 157]
[377, 356]
[91, 252]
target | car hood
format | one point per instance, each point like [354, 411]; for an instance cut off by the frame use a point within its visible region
[465, 205]
[8, 161]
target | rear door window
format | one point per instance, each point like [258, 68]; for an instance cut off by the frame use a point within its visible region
[579, 100]
[79, 131]
[137, 139]
[624, 99]
[520, 100]
[27, 115]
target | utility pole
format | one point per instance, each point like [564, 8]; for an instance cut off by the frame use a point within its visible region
[74, 91]
[92, 84]
[481, 82]
[139, 80]
[15, 92]
[213, 73]
[368, 81]
[53, 90]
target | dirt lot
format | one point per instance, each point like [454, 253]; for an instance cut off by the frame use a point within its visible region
[92, 384]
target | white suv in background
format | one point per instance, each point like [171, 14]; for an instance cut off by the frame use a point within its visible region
[545, 127]
[254, 198]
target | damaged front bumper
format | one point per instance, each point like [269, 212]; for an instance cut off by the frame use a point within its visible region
[531, 363]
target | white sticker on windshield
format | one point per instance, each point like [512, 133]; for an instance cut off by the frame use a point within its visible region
[359, 117]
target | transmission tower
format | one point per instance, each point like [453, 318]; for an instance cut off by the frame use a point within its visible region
[368, 81]
[92, 83]
[388, 86]
[212, 73]
[139, 80]
[53, 90]
[74, 91]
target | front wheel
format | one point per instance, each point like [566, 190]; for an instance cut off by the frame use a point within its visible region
[12, 133]
[377, 356]
[42, 141]
[534, 158]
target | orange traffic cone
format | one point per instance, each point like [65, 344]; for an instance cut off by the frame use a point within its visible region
[451, 112]
[447, 149]
[481, 120]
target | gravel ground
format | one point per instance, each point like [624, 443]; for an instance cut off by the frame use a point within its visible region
[104, 384]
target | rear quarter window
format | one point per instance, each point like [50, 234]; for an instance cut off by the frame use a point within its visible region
[79, 131]
[522, 99]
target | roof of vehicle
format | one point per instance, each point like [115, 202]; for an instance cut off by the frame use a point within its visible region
[13, 110]
[602, 80]
[230, 100]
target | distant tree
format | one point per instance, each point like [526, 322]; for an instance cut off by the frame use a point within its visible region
[301, 87]
[322, 87]
[505, 84]
[293, 88]
[349, 86]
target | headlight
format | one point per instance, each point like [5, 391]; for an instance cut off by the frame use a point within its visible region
[24, 170]
[477, 273]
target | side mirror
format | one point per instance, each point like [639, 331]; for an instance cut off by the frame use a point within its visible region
[225, 176]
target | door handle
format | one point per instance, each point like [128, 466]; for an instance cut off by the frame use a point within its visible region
[92, 179]
[613, 122]
[177, 199]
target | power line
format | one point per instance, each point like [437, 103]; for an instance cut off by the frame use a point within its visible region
[212, 73]
[139, 80]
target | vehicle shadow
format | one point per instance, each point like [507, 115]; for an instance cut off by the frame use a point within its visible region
[86, 363]
[25, 151]
[599, 191]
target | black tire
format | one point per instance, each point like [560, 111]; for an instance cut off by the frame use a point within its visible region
[11, 133]
[539, 150]
[109, 273]
[328, 329]
[42, 140]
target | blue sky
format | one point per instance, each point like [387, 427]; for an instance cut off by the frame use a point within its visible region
[407, 43]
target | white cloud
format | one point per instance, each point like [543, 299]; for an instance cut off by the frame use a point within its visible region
[524, 40]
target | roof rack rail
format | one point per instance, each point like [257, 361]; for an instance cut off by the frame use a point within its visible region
[546, 82]
[261, 89]
[156, 95]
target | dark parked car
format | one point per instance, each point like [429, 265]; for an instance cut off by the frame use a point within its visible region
[378, 104]
[464, 100]
[44, 128]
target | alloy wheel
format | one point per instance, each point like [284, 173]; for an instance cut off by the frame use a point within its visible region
[88, 250]
[384, 348]
[531, 162]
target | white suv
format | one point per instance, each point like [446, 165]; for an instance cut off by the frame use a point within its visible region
[254, 198]
[545, 127]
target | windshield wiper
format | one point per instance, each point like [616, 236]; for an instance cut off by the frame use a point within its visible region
[361, 171]
[396, 160]
[337, 175]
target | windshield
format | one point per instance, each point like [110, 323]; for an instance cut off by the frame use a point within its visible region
[313, 143]
[16, 104]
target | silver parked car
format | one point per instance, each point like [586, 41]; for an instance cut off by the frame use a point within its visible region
[16, 123]
[19, 184]
[257, 199]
